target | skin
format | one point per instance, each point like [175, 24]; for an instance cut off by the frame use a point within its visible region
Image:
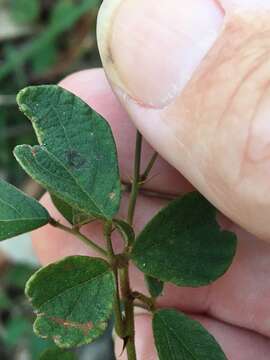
[202, 103]
[199, 72]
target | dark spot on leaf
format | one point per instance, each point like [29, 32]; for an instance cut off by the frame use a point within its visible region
[74, 159]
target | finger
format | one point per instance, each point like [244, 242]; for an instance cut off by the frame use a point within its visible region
[93, 87]
[194, 77]
[237, 343]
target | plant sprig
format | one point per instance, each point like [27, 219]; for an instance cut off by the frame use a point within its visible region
[76, 162]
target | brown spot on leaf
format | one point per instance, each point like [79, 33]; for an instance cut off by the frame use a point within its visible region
[85, 328]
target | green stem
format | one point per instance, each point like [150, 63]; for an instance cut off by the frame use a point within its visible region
[146, 300]
[127, 295]
[149, 167]
[141, 306]
[129, 311]
[80, 236]
[136, 179]
[119, 323]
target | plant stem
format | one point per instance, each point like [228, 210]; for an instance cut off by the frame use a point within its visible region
[136, 178]
[126, 291]
[146, 300]
[80, 236]
[129, 311]
[141, 306]
[126, 187]
[149, 167]
[119, 323]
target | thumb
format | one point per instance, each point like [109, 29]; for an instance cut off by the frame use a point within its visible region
[194, 77]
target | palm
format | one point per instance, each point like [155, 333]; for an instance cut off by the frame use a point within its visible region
[236, 308]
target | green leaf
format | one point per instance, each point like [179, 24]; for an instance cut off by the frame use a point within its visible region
[24, 11]
[73, 300]
[72, 215]
[183, 244]
[77, 158]
[126, 230]
[18, 212]
[155, 286]
[179, 337]
[57, 354]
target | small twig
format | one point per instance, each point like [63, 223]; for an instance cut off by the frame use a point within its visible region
[80, 236]
[119, 322]
[136, 179]
[149, 167]
[141, 306]
[146, 300]
[126, 187]
[129, 312]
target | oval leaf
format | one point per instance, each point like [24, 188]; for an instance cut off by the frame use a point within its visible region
[18, 212]
[179, 337]
[183, 244]
[73, 300]
[77, 158]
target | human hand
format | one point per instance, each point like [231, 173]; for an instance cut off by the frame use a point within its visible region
[234, 309]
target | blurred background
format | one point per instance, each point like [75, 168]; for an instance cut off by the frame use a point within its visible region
[41, 41]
